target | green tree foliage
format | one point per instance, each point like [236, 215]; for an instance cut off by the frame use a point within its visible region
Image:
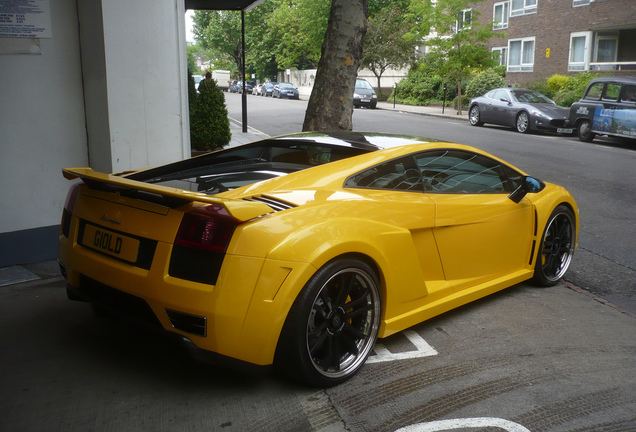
[387, 43]
[454, 36]
[299, 28]
[209, 121]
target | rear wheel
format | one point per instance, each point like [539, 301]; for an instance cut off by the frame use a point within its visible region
[332, 325]
[523, 122]
[556, 248]
[474, 117]
[585, 131]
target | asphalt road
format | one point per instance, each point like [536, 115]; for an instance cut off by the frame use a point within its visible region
[600, 175]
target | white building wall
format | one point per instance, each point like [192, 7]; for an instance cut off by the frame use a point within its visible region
[119, 104]
[42, 126]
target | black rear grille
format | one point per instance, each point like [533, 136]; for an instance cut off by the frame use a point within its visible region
[115, 301]
[274, 203]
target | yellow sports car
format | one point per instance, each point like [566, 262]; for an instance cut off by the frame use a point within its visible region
[300, 251]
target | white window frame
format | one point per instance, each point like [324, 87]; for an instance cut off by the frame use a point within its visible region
[600, 37]
[503, 55]
[585, 64]
[505, 13]
[522, 67]
[529, 7]
[464, 13]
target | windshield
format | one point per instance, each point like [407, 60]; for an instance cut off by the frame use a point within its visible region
[363, 84]
[530, 96]
[286, 86]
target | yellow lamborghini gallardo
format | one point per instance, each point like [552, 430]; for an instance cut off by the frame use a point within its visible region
[300, 251]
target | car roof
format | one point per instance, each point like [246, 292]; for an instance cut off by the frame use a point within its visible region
[623, 79]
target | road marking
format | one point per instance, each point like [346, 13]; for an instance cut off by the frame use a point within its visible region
[480, 422]
[423, 349]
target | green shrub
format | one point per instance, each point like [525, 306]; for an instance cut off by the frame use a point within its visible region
[483, 82]
[572, 90]
[209, 121]
[556, 82]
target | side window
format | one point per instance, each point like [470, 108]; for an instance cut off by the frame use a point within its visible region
[439, 171]
[501, 94]
[595, 91]
[611, 92]
[461, 172]
[629, 93]
[396, 174]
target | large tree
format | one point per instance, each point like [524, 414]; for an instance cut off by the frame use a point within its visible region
[454, 36]
[330, 106]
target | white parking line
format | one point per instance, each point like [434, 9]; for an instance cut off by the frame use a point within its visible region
[384, 355]
[481, 422]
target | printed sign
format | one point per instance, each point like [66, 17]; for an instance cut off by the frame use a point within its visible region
[25, 19]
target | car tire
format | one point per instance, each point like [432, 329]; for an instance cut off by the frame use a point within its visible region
[523, 122]
[474, 116]
[332, 325]
[584, 131]
[556, 247]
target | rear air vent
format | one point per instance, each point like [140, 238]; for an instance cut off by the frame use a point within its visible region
[188, 323]
[274, 203]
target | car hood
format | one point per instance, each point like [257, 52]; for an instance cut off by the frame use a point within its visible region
[553, 111]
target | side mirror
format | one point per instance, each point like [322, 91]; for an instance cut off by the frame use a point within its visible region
[528, 185]
[505, 100]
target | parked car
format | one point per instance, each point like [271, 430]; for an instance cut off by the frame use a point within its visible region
[257, 89]
[249, 85]
[268, 88]
[521, 109]
[234, 86]
[285, 90]
[364, 95]
[608, 107]
[344, 242]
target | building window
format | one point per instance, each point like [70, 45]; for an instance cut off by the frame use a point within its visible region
[579, 51]
[500, 14]
[523, 7]
[463, 20]
[501, 55]
[605, 50]
[580, 2]
[521, 55]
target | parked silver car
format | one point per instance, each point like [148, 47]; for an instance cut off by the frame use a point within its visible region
[521, 109]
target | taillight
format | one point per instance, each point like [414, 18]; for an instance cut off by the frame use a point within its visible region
[200, 244]
[71, 197]
[67, 213]
[209, 228]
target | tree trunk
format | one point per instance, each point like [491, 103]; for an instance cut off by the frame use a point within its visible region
[330, 106]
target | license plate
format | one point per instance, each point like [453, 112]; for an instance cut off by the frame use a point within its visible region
[110, 243]
[565, 131]
[366, 100]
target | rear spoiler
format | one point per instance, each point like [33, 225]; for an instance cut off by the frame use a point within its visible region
[239, 209]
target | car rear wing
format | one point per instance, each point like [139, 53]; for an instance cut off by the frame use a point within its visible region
[240, 209]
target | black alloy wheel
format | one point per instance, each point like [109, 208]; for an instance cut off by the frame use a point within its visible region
[557, 247]
[333, 324]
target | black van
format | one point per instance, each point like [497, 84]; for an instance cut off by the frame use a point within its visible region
[608, 107]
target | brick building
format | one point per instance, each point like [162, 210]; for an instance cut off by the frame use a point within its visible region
[547, 37]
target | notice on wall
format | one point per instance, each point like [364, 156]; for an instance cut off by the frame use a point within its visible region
[25, 18]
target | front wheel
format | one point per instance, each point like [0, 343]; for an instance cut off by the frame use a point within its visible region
[332, 325]
[585, 131]
[523, 122]
[556, 248]
[474, 116]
